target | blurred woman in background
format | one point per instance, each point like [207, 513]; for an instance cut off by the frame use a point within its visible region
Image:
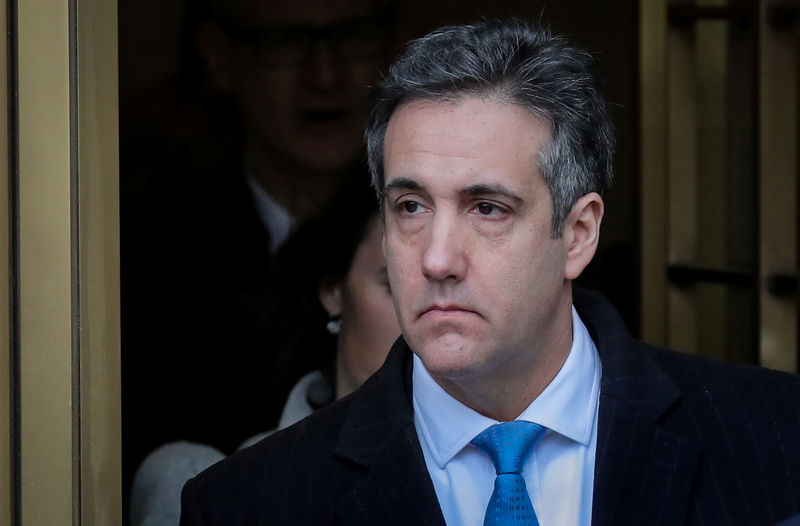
[337, 282]
[338, 319]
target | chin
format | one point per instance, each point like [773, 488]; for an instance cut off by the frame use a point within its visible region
[449, 356]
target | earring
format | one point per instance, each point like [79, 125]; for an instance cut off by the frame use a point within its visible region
[334, 326]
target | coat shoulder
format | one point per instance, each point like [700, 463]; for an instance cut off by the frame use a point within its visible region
[747, 420]
[275, 477]
[716, 383]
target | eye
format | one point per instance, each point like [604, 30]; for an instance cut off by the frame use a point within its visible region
[488, 209]
[411, 207]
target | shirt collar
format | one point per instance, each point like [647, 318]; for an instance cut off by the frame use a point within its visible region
[567, 405]
[274, 217]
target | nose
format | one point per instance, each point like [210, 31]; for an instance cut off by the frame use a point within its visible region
[444, 257]
[322, 67]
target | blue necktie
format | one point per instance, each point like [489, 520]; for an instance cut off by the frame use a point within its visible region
[508, 445]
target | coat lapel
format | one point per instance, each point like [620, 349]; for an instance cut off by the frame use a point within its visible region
[396, 490]
[379, 436]
[643, 472]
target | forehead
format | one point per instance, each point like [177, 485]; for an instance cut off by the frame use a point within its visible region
[467, 138]
[305, 12]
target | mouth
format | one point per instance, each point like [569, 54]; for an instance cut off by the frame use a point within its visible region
[449, 310]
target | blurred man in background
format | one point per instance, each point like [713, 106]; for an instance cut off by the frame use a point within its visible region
[203, 344]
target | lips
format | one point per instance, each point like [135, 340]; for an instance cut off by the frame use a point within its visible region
[447, 310]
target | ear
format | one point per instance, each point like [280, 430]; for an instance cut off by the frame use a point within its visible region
[582, 233]
[331, 299]
[216, 50]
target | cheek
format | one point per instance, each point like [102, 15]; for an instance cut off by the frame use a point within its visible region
[405, 295]
[502, 287]
[515, 276]
[399, 263]
[268, 92]
[266, 118]
[374, 311]
[386, 317]
[375, 329]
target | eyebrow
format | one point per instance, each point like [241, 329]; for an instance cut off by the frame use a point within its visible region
[401, 183]
[474, 190]
[477, 190]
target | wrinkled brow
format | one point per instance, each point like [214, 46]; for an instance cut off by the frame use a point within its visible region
[401, 183]
[474, 190]
[477, 190]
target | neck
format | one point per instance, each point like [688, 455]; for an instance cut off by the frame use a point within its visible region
[503, 394]
[344, 383]
[300, 190]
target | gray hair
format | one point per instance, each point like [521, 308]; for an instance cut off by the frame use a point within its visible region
[515, 62]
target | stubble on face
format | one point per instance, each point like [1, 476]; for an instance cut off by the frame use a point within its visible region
[478, 281]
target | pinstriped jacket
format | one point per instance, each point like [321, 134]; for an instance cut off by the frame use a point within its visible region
[681, 440]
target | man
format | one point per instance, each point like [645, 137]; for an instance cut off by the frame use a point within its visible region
[299, 74]
[206, 357]
[491, 147]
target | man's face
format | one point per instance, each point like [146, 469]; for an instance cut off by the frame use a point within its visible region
[478, 282]
[307, 112]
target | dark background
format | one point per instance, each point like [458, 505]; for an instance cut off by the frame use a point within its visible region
[157, 117]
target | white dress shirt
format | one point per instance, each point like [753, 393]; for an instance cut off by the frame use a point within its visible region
[559, 475]
[274, 217]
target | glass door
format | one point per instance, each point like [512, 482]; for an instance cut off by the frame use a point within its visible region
[59, 408]
[719, 179]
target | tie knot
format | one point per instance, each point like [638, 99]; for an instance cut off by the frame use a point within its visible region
[509, 444]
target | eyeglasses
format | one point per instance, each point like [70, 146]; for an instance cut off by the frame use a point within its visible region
[351, 40]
